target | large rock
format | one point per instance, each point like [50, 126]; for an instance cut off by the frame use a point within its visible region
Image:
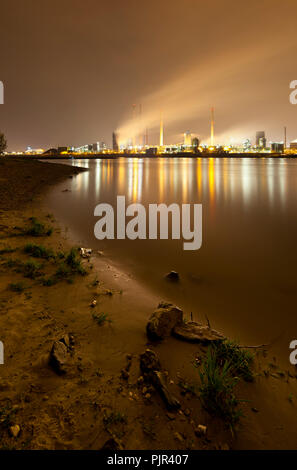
[58, 357]
[163, 320]
[196, 333]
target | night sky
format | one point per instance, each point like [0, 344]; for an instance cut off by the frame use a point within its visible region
[73, 68]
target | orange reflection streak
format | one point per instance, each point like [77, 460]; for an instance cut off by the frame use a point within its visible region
[211, 180]
[135, 179]
[122, 176]
[198, 176]
[161, 179]
[185, 173]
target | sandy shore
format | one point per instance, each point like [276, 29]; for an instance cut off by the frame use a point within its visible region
[92, 401]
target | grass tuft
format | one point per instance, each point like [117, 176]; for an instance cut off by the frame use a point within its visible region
[240, 359]
[115, 418]
[217, 389]
[39, 251]
[16, 287]
[101, 318]
[31, 269]
[38, 229]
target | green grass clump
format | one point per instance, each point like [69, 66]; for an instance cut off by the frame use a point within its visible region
[240, 359]
[48, 282]
[101, 318]
[217, 389]
[39, 251]
[115, 418]
[70, 265]
[72, 260]
[31, 269]
[16, 287]
[38, 229]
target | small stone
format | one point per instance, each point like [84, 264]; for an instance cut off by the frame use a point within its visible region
[129, 357]
[147, 396]
[15, 430]
[200, 430]
[94, 303]
[171, 416]
[85, 252]
[173, 276]
[255, 410]
[112, 444]
[187, 412]
[178, 437]
[140, 380]
[124, 374]
[144, 390]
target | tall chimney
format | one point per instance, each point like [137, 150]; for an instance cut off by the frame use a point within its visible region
[212, 128]
[161, 131]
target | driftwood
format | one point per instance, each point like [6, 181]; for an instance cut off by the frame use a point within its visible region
[151, 368]
[196, 333]
[159, 382]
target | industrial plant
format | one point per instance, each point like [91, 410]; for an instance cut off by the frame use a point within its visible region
[191, 144]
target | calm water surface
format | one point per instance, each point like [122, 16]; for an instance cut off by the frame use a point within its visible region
[244, 277]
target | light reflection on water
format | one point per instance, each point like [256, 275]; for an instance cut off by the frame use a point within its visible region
[213, 179]
[245, 272]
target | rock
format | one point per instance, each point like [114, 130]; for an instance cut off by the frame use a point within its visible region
[187, 412]
[66, 340]
[178, 437]
[85, 252]
[140, 380]
[149, 361]
[172, 276]
[160, 384]
[164, 320]
[58, 357]
[151, 369]
[125, 374]
[147, 396]
[112, 444]
[201, 430]
[196, 333]
[171, 416]
[15, 430]
[94, 303]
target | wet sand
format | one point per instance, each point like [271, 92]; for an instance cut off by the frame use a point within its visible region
[70, 411]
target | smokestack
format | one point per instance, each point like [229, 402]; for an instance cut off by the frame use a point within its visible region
[161, 131]
[212, 128]
[285, 137]
[134, 123]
